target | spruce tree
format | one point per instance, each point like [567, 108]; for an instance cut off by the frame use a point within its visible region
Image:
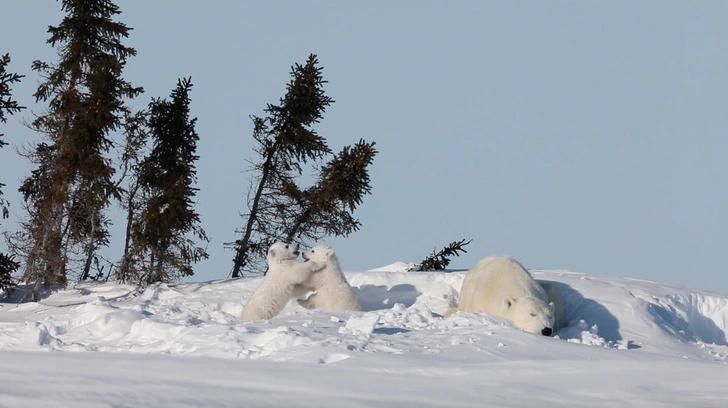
[284, 140]
[326, 208]
[136, 135]
[7, 106]
[160, 249]
[282, 210]
[68, 192]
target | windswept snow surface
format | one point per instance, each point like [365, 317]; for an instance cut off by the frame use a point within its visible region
[628, 343]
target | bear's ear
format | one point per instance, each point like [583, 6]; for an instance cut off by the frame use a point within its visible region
[272, 253]
[552, 306]
[508, 301]
[329, 251]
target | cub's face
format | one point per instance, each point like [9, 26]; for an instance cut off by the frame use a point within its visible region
[530, 314]
[281, 251]
[319, 253]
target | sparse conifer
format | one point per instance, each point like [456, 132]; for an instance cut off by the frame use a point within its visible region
[438, 261]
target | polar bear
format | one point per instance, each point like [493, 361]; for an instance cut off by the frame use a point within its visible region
[276, 289]
[555, 297]
[333, 292]
[500, 286]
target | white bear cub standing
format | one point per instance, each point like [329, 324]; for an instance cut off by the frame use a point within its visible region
[284, 272]
[500, 286]
[333, 292]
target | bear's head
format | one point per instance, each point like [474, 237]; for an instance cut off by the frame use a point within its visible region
[281, 251]
[530, 314]
[320, 253]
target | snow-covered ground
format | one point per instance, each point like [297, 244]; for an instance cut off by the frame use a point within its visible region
[628, 343]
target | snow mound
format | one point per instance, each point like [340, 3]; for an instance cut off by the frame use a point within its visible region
[613, 324]
[201, 319]
[396, 267]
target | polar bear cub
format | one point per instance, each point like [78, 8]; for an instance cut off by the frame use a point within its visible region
[276, 289]
[500, 286]
[333, 292]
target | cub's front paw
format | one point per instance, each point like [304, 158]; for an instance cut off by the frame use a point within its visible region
[305, 303]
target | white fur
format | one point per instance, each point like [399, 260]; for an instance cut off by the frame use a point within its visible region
[557, 299]
[276, 289]
[500, 286]
[333, 292]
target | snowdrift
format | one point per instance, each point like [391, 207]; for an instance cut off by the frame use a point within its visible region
[628, 343]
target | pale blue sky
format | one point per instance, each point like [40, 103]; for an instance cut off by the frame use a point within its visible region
[587, 136]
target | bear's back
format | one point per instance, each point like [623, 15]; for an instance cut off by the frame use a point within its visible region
[493, 278]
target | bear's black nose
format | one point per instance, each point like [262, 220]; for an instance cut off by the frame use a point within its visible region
[547, 331]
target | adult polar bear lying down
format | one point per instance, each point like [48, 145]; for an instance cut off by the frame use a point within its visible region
[333, 292]
[500, 286]
[276, 289]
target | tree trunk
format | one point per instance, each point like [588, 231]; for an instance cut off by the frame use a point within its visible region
[241, 252]
[90, 250]
[89, 257]
[299, 221]
[130, 219]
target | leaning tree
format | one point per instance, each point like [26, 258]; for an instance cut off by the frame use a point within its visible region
[279, 207]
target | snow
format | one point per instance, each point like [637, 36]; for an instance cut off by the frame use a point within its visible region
[396, 267]
[628, 343]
